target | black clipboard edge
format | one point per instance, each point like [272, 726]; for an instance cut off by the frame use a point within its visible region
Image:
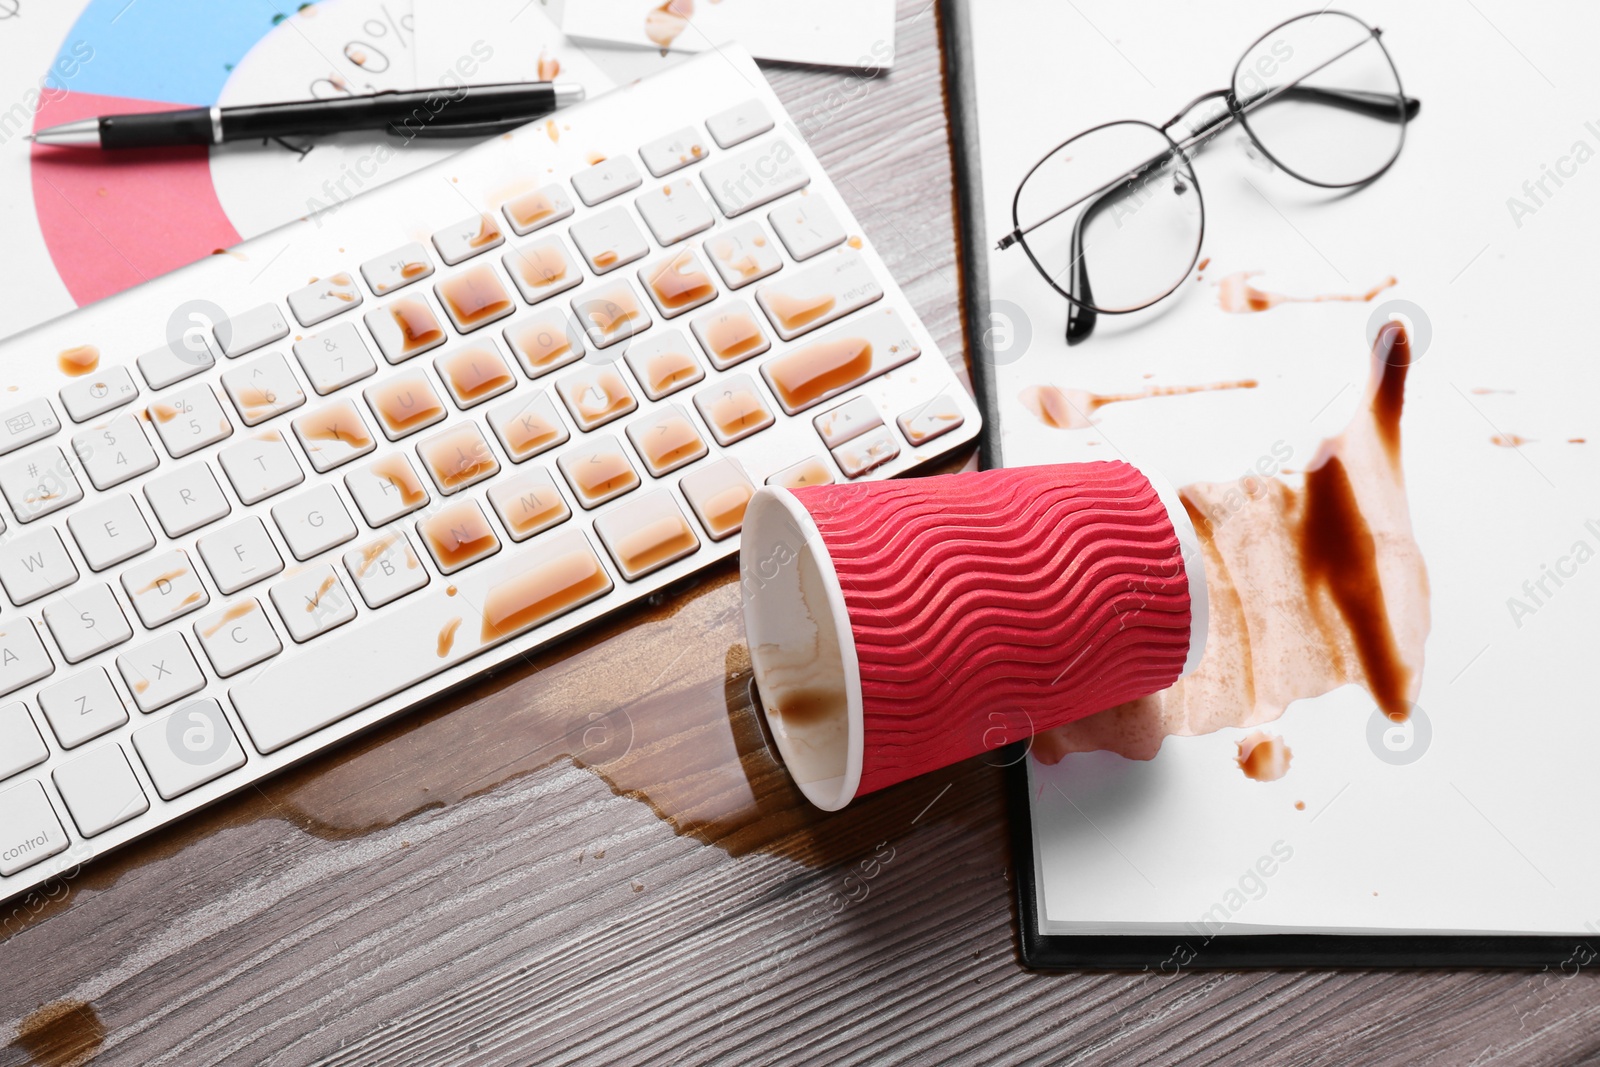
[1165, 954]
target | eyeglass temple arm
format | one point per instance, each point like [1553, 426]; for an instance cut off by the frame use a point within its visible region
[1081, 316]
[1371, 104]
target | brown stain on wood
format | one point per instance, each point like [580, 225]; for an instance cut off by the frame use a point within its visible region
[63, 1033]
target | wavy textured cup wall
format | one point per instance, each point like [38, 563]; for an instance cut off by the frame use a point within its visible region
[1016, 599]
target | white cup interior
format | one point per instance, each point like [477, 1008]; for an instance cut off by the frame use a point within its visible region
[801, 648]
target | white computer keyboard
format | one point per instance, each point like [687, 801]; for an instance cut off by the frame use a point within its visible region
[366, 456]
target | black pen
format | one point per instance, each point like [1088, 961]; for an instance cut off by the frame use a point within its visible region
[463, 111]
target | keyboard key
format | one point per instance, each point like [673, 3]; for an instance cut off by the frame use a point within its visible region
[598, 471]
[646, 534]
[470, 237]
[474, 298]
[189, 420]
[677, 283]
[608, 240]
[249, 331]
[851, 419]
[385, 569]
[23, 659]
[541, 269]
[260, 466]
[611, 313]
[161, 671]
[192, 746]
[856, 352]
[32, 565]
[333, 435]
[813, 471]
[807, 226]
[544, 341]
[88, 397]
[334, 358]
[457, 458]
[312, 602]
[663, 364]
[474, 373]
[718, 494]
[730, 334]
[163, 588]
[867, 452]
[666, 440]
[86, 622]
[263, 388]
[361, 665]
[527, 426]
[833, 287]
[114, 452]
[739, 123]
[21, 746]
[606, 179]
[743, 254]
[674, 211]
[386, 489]
[239, 555]
[404, 403]
[596, 396]
[529, 503]
[29, 830]
[673, 152]
[754, 177]
[100, 790]
[38, 483]
[186, 499]
[733, 409]
[536, 210]
[237, 637]
[324, 298]
[934, 418]
[182, 358]
[313, 521]
[81, 707]
[458, 535]
[407, 264]
[110, 531]
[404, 328]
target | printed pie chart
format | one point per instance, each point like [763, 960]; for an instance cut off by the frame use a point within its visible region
[114, 219]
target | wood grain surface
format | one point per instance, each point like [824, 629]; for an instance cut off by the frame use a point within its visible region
[591, 858]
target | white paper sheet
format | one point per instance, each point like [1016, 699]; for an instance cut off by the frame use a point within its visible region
[1489, 829]
[835, 33]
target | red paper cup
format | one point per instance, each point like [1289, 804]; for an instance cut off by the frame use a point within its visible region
[897, 627]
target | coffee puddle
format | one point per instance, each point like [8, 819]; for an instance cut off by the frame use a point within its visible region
[63, 1033]
[1311, 588]
[1073, 409]
[1236, 295]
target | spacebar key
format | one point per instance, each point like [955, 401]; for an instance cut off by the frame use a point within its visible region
[355, 667]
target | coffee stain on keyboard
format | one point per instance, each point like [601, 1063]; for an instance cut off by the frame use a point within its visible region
[726, 248]
[406, 404]
[63, 1033]
[1074, 409]
[541, 592]
[540, 345]
[458, 534]
[667, 369]
[536, 206]
[447, 636]
[232, 614]
[605, 258]
[804, 376]
[680, 283]
[161, 581]
[737, 410]
[377, 549]
[733, 335]
[794, 312]
[1236, 295]
[1312, 587]
[475, 297]
[476, 372]
[541, 266]
[396, 470]
[1263, 757]
[419, 328]
[488, 232]
[79, 360]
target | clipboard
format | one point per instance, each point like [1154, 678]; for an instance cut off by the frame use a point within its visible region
[1165, 953]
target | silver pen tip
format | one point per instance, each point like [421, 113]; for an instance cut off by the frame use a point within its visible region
[568, 93]
[27, 137]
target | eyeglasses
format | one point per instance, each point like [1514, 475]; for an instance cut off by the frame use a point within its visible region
[1317, 95]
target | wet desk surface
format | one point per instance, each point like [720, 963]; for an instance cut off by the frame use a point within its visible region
[457, 887]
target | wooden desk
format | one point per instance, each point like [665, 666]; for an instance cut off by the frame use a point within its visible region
[458, 888]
